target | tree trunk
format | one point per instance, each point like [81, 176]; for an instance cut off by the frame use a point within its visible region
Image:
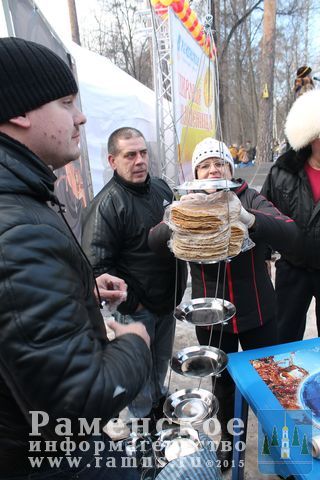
[265, 121]
[74, 22]
[222, 127]
[253, 97]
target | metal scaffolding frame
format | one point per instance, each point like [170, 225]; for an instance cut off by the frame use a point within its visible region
[166, 132]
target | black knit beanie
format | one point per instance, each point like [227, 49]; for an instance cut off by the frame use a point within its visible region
[31, 75]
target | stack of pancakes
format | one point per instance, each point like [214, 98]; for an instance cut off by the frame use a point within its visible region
[208, 230]
[237, 233]
[198, 219]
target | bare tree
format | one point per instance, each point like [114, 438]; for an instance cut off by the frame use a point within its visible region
[238, 30]
[292, 21]
[116, 37]
[265, 123]
[231, 17]
[74, 21]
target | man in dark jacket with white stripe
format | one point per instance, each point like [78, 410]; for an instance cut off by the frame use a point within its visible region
[115, 238]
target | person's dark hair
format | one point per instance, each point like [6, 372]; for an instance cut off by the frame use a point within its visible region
[121, 133]
[303, 71]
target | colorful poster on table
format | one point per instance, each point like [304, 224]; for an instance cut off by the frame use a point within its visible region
[193, 82]
[294, 379]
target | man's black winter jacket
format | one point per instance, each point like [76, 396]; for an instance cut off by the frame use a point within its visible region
[54, 354]
[115, 239]
[287, 186]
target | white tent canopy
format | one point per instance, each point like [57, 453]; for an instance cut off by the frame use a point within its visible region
[111, 99]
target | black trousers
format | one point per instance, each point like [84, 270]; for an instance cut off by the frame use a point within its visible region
[259, 337]
[295, 288]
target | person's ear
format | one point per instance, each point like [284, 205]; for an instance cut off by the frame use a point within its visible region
[22, 121]
[112, 162]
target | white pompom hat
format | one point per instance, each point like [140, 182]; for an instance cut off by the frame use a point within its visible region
[303, 120]
[211, 148]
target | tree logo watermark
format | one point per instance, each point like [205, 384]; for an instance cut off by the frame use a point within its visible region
[284, 441]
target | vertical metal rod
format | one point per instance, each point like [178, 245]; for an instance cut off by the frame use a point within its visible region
[7, 15]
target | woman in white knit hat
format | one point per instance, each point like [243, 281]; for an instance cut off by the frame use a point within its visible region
[293, 185]
[248, 285]
[247, 282]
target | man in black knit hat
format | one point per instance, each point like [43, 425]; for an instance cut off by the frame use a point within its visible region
[61, 379]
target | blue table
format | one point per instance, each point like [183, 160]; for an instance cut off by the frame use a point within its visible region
[252, 391]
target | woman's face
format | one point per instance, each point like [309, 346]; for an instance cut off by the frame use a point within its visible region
[213, 168]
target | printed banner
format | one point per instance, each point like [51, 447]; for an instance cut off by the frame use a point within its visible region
[193, 94]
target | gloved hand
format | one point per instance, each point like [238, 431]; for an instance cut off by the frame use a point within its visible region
[158, 239]
[246, 218]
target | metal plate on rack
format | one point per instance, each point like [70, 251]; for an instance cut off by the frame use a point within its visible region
[190, 406]
[206, 184]
[200, 361]
[205, 262]
[205, 311]
[174, 443]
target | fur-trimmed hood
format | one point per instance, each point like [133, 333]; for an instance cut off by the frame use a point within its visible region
[303, 120]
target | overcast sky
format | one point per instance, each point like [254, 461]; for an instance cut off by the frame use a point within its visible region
[57, 14]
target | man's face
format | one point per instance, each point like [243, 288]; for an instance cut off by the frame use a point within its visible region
[54, 133]
[213, 168]
[131, 160]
